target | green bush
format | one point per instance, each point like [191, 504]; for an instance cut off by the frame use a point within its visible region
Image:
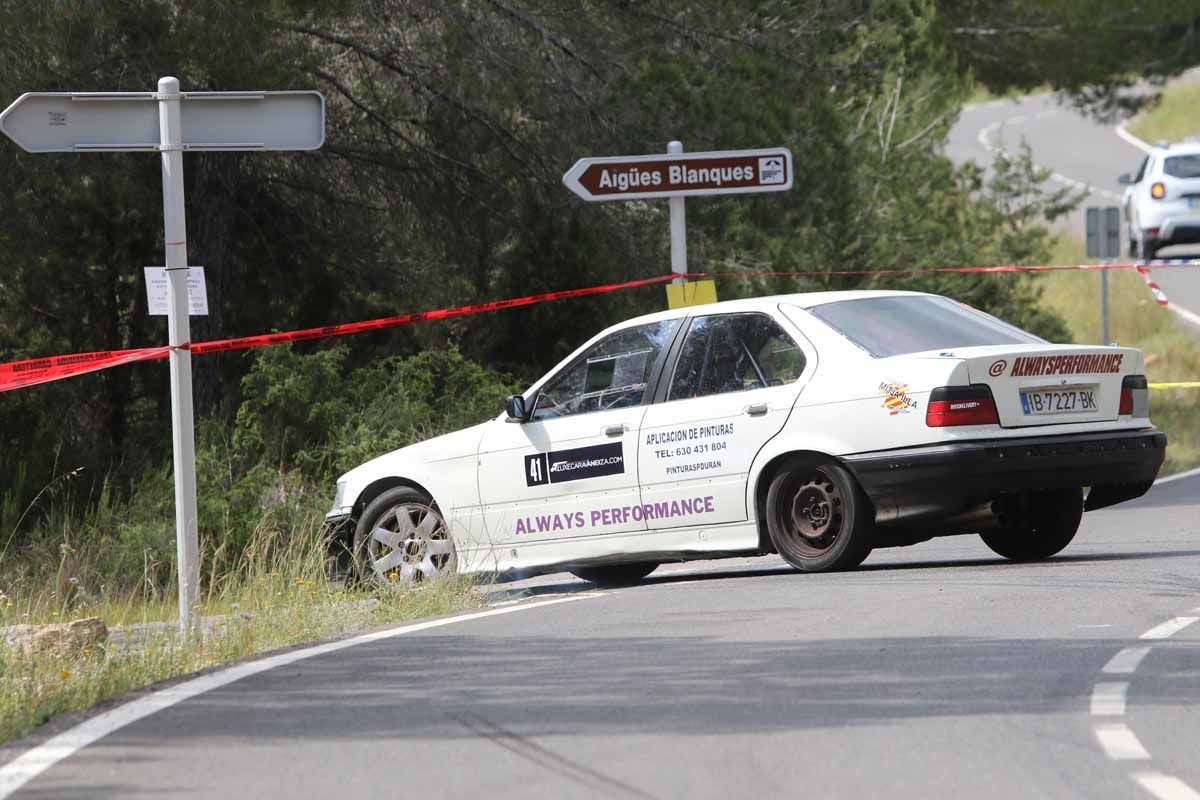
[304, 419]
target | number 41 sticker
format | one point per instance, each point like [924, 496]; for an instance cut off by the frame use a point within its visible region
[536, 471]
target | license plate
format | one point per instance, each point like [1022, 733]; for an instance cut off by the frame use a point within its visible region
[1058, 401]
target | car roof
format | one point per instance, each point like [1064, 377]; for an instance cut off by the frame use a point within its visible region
[803, 300]
[1185, 148]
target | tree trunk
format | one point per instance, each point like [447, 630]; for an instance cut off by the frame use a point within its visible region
[214, 217]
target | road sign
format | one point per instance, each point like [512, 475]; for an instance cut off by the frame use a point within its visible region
[1103, 232]
[1103, 242]
[681, 174]
[168, 122]
[158, 289]
[68, 122]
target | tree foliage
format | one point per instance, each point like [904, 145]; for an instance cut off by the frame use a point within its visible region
[449, 127]
[1091, 49]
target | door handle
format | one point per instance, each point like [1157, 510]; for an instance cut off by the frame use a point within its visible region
[615, 430]
[756, 410]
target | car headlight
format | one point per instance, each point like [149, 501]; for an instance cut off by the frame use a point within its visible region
[339, 495]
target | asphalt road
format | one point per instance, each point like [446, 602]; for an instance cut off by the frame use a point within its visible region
[933, 671]
[1082, 154]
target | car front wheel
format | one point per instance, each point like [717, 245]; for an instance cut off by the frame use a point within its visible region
[402, 537]
[1054, 519]
[1147, 248]
[818, 518]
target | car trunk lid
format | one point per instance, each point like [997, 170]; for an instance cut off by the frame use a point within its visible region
[1052, 384]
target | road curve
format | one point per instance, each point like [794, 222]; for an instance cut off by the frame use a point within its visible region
[1081, 154]
[932, 671]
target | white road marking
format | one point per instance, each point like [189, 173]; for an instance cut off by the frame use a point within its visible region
[1124, 133]
[1119, 743]
[1168, 628]
[1126, 661]
[37, 760]
[1178, 476]
[1187, 314]
[1165, 787]
[1108, 699]
[984, 133]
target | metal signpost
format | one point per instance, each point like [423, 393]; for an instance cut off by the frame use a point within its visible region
[1104, 243]
[170, 122]
[677, 175]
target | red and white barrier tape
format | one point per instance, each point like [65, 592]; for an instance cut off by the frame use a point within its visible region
[30, 372]
[1159, 296]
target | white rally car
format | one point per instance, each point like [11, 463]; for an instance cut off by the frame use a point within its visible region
[818, 426]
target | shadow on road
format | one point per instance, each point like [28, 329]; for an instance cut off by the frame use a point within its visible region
[571, 585]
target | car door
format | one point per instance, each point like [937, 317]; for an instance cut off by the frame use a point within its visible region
[732, 388]
[570, 469]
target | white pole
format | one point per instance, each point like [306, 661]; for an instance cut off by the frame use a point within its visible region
[678, 228]
[183, 437]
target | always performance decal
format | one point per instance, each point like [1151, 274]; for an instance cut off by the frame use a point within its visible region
[574, 465]
[1067, 365]
[619, 515]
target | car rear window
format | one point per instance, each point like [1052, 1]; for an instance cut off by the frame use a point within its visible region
[1183, 166]
[898, 325]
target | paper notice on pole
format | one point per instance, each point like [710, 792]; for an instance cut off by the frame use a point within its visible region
[157, 290]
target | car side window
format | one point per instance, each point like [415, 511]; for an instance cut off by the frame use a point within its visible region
[613, 373]
[734, 352]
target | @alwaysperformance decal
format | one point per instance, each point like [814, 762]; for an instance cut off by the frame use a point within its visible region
[560, 466]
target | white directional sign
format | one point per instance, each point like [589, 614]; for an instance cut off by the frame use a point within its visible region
[168, 122]
[58, 122]
[681, 174]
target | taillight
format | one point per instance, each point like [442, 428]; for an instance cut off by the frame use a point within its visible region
[1135, 397]
[961, 405]
[1158, 191]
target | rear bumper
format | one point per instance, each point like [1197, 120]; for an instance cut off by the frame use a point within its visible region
[1185, 230]
[937, 481]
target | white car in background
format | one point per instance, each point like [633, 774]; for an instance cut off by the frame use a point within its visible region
[1162, 200]
[818, 426]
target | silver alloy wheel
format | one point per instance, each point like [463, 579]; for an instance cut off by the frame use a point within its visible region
[410, 542]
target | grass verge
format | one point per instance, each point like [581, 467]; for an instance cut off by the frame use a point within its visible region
[1172, 352]
[1174, 118]
[279, 596]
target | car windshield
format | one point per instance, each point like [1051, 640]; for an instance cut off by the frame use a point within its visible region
[902, 324]
[1183, 166]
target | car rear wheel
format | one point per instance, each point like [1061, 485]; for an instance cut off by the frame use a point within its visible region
[1055, 517]
[616, 574]
[818, 518]
[402, 537]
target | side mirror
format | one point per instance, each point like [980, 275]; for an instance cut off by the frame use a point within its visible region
[515, 406]
[1125, 179]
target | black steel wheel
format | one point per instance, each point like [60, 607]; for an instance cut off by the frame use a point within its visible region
[1054, 520]
[818, 517]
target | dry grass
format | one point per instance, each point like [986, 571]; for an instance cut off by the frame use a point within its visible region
[277, 596]
[1174, 119]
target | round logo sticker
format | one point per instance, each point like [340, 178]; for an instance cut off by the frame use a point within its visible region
[997, 368]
